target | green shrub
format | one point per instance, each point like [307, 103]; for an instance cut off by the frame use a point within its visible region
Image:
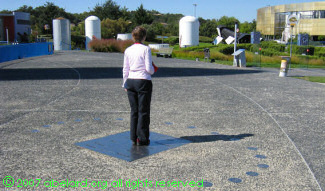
[172, 40]
[220, 56]
[198, 48]
[273, 45]
[78, 41]
[246, 46]
[205, 39]
[225, 49]
[109, 45]
[187, 54]
[229, 49]
[321, 38]
[303, 50]
[320, 54]
[267, 52]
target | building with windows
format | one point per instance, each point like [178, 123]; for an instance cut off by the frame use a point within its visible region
[272, 21]
[15, 26]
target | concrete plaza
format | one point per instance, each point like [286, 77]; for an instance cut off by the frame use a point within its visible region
[240, 128]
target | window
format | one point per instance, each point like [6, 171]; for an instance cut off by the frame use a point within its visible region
[322, 14]
[23, 22]
[315, 14]
[306, 15]
[312, 14]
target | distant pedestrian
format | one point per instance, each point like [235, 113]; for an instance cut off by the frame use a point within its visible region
[137, 70]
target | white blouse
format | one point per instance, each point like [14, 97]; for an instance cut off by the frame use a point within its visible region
[137, 63]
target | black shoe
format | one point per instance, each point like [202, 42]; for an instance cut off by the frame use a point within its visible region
[141, 143]
[134, 142]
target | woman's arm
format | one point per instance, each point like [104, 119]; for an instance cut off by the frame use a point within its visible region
[126, 69]
[148, 62]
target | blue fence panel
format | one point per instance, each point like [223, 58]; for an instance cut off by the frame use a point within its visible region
[19, 51]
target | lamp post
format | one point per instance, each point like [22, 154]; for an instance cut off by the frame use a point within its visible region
[292, 20]
[195, 9]
[292, 25]
[235, 45]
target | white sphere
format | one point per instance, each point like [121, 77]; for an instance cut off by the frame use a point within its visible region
[61, 34]
[189, 31]
[93, 28]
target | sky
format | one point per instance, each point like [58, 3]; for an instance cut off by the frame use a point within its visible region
[244, 10]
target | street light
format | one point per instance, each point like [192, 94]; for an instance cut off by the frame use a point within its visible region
[292, 20]
[195, 9]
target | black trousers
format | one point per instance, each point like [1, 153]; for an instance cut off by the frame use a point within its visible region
[139, 94]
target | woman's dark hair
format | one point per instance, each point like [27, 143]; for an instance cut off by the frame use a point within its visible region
[139, 33]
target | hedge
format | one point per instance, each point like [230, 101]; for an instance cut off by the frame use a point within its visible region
[78, 42]
[205, 39]
[109, 45]
[273, 45]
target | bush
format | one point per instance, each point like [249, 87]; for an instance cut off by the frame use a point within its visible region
[320, 54]
[229, 49]
[246, 46]
[172, 40]
[303, 50]
[225, 49]
[321, 38]
[198, 48]
[220, 56]
[268, 52]
[78, 41]
[205, 39]
[109, 45]
[273, 45]
[187, 54]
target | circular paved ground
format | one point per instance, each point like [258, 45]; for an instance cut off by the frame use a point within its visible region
[244, 129]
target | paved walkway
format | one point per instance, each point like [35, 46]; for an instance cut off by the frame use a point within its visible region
[243, 129]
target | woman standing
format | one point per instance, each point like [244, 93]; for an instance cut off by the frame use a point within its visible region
[137, 71]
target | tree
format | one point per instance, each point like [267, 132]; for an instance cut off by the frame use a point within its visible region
[108, 10]
[228, 22]
[110, 28]
[208, 28]
[125, 14]
[247, 27]
[142, 16]
[5, 12]
[78, 29]
[253, 25]
[172, 29]
[45, 14]
[25, 8]
[151, 35]
[80, 17]
[170, 22]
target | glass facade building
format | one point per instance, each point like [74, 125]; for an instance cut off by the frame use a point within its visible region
[272, 20]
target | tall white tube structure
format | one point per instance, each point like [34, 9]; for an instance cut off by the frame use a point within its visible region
[61, 34]
[92, 27]
[189, 31]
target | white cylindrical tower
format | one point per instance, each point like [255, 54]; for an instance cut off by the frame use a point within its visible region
[61, 34]
[92, 27]
[189, 31]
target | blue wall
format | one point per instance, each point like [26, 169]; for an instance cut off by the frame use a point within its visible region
[13, 52]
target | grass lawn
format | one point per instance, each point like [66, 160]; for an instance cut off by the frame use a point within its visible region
[252, 59]
[319, 79]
